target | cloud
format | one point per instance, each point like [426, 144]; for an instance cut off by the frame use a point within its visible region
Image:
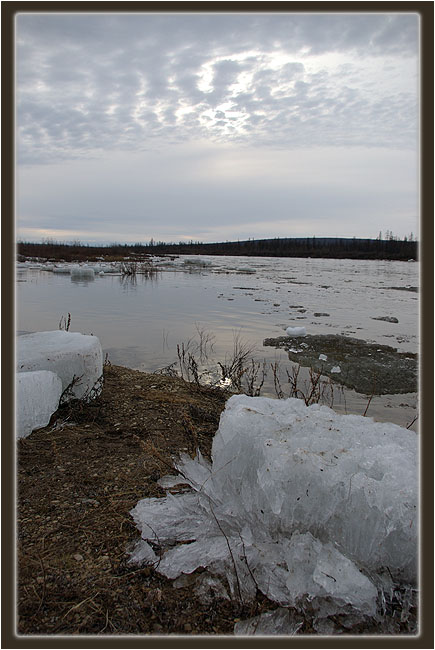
[131, 126]
[121, 81]
[208, 190]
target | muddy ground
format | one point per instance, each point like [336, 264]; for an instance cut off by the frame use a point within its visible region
[367, 368]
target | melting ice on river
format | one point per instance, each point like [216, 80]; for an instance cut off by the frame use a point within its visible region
[312, 508]
[296, 331]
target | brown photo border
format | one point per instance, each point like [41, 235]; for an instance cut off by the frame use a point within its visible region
[425, 639]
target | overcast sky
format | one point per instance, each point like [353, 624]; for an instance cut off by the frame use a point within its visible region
[216, 127]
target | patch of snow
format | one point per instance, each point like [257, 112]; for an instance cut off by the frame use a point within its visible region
[336, 369]
[323, 357]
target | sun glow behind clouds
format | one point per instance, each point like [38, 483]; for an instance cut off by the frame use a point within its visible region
[229, 118]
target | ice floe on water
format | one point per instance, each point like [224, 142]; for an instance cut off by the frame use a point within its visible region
[387, 319]
[317, 511]
[295, 331]
[82, 272]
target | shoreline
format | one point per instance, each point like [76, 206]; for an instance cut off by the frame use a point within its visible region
[79, 478]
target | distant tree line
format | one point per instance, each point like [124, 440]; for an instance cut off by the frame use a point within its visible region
[325, 247]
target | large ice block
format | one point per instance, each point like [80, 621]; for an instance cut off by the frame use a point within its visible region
[68, 354]
[296, 331]
[37, 398]
[82, 272]
[308, 506]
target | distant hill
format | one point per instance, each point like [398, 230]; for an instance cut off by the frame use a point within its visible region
[325, 247]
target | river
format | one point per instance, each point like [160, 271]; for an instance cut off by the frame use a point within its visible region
[215, 300]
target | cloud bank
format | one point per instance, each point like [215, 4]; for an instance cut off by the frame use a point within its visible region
[170, 122]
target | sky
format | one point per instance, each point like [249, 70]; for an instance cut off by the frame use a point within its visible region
[216, 126]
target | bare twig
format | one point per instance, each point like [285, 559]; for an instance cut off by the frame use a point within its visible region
[371, 396]
[412, 422]
[65, 322]
[230, 552]
[81, 603]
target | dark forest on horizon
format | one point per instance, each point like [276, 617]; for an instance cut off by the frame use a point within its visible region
[324, 247]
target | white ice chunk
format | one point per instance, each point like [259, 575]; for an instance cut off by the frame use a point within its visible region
[323, 357]
[68, 354]
[37, 398]
[82, 273]
[143, 554]
[336, 369]
[296, 331]
[279, 621]
[306, 505]
[61, 269]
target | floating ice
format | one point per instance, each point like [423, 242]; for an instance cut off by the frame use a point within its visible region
[296, 331]
[336, 369]
[37, 398]
[82, 272]
[308, 506]
[387, 319]
[61, 269]
[323, 357]
[246, 269]
[196, 262]
[68, 354]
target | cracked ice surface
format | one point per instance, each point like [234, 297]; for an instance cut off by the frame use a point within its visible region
[307, 505]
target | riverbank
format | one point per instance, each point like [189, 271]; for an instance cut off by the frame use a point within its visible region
[320, 247]
[78, 478]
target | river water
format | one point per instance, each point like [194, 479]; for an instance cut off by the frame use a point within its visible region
[140, 320]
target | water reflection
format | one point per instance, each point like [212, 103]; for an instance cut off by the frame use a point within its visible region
[83, 280]
[128, 282]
